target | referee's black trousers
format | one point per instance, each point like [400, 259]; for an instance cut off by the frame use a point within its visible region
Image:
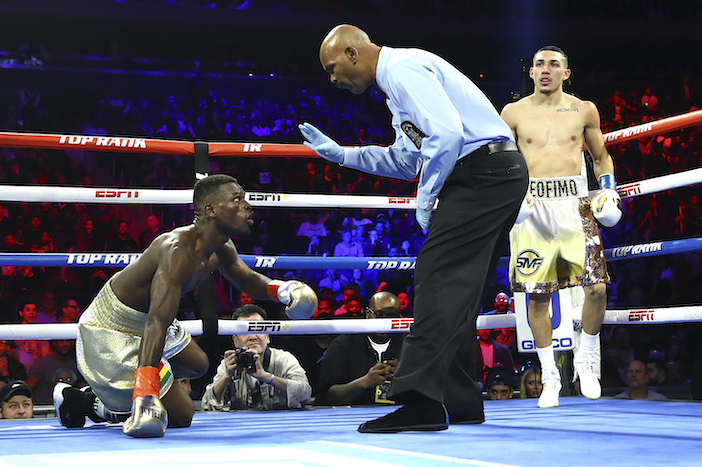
[477, 208]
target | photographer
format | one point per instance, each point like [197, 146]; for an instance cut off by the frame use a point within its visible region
[357, 368]
[255, 376]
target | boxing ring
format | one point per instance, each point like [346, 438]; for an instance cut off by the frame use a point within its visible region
[516, 432]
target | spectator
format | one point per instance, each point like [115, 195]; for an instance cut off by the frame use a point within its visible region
[333, 281]
[16, 401]
[356, 367]
[353, 308]
[530, 387]
[324, 309]
[9, 366]
[38, 348]
[499, 383]
[70, 311]
[314, 248]
[121, 241]
[48, 311]
[655, 370]
[42, 375]
[649, 101]
[347, 247]
[491, 354]
[87, 240]
[312, 225]
[406, 308]
[637, 379]
[153, 230]
[348, 293]
[358, 235]
[505, 336]
[366, 287]
[373, 246]
[31, 235]
[274, 380]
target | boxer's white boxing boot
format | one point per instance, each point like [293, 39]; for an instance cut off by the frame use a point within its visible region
[149, 418]
[584, 363]
[551, 380]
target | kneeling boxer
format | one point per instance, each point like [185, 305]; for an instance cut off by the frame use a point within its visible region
[130, 347]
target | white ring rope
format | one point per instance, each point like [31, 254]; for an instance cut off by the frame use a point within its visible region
[45, 193]
[670, 315]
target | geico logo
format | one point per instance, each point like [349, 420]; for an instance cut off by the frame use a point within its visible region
[394, 200]
[528, 262]
[399, 265]
[641, 315]
[266, 326]
[115, 193]
[104, 141]
[628, 190]
[563, 342]
[263, 197]
[401, 323]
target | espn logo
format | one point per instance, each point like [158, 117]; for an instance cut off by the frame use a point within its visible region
[397, 200]
[265, 197]
[528, 262]
[267, 326]
[401, 323]
[115, 193]
[629, 190]
[641, 315]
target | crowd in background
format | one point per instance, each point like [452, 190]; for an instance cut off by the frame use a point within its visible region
[204, 111]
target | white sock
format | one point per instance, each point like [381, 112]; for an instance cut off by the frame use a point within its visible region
[547, 358]
[588, 342]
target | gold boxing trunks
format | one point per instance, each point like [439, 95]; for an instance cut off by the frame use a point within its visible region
[107, 348]
[559, 245]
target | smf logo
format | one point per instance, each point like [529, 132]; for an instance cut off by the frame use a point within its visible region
[267, 326]
[528, 262]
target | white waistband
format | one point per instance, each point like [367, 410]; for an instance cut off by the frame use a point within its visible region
[558, 187]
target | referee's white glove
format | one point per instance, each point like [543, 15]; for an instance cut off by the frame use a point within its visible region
[320, 143]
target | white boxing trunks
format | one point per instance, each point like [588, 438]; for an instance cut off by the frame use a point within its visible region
[559, 245]
[107, 349]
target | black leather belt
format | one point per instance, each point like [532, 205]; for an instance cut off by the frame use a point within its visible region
[491, 148]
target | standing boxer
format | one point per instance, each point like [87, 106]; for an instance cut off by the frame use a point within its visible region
[130, 346]
[559, 244]
[450, 135]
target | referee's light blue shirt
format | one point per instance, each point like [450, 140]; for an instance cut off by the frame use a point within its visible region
[439, 116]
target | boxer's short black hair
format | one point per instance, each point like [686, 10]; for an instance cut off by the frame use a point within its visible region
[204, 187]
[554, 48]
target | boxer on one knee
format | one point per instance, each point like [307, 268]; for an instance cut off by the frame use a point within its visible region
[558, 245]
[130, 327]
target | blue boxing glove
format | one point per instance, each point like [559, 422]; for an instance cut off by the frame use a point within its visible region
[320, 143]
[424, 218]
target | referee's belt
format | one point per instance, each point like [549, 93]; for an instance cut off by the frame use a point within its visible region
[492, 148]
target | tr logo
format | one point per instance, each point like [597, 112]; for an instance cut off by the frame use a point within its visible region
[528, 262]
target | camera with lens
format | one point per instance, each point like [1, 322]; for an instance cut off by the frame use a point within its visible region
[245, 359]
